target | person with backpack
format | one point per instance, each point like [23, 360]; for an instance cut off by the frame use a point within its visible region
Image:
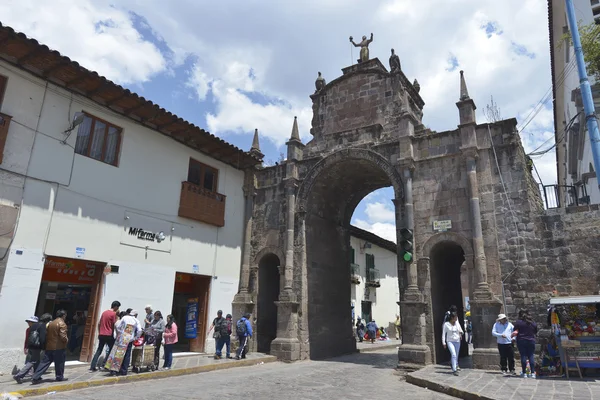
[225, 338]
[243, 329]
[218, 325]
[56, 347]
[35, 340]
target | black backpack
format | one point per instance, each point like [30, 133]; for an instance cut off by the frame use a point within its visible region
[222, 327]
[34, 341]
[240, 327]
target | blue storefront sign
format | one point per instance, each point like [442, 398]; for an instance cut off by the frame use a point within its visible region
[191, 320]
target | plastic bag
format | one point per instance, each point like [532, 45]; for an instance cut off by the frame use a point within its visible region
[10, 396]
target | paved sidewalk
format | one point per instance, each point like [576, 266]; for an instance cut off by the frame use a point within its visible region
[365, 346]
[80, 377]
[492, 385]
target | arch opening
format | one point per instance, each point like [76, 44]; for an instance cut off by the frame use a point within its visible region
[268, 293]
[330, 203]
[447, 259]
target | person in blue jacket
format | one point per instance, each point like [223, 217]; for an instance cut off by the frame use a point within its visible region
[243, 330]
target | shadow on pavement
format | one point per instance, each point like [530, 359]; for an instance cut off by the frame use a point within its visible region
[379, 360]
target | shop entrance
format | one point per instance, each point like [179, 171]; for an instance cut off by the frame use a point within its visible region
[190, 310]
[74, 286]
[268, 294]
[447, 259]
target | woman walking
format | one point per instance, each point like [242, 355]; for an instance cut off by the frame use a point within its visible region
[526, 331]
[451, 338]
[170, 338]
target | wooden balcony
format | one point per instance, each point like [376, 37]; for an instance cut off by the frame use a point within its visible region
[373, 278]
[202, 205]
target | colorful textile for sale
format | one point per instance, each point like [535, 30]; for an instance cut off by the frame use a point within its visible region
[117, 354]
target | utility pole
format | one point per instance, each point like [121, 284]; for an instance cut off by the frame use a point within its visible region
[586, 92]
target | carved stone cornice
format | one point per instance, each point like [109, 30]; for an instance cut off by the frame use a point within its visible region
[470, 152]
[406, 164]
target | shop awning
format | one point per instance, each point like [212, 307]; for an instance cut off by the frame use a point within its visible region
[575, 300]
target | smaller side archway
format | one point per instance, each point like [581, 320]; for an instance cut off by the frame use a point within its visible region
[269, 280]
[450, 256]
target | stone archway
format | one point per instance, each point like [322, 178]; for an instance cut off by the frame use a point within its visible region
[328, 196]
[345, 155]
[269, 283]
[446, 254]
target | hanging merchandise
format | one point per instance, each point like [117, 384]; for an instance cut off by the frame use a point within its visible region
[576, 329]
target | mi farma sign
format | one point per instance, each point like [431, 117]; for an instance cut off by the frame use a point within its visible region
[147, 235]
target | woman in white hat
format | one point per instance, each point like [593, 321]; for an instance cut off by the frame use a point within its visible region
[503, 331]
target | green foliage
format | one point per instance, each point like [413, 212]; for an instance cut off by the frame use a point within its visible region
[590, 43]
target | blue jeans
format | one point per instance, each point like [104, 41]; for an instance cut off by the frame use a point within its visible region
[126, 360]
[454, 348]
[168, 356]
[223, 340]
[526, 350]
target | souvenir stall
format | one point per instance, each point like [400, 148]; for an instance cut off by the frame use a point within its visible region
[575, 323]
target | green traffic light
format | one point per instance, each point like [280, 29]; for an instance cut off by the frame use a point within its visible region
[407, 256]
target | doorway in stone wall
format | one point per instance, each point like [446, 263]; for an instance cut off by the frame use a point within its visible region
[268, 294]
[446, 260]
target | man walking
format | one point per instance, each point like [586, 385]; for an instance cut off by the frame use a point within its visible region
[225, 339]
[503, 330]
[218, 325]
[106, 328]
[34, 342]
[56, 345]
[244, 331]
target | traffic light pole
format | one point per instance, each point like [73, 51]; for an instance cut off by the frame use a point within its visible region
[586, 92]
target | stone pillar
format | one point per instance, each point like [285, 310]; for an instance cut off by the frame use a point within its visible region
[479, 253]
[412, 290]
[286, 346]
[484, 306]
[287, 294]
[413, 309]
[244, 296]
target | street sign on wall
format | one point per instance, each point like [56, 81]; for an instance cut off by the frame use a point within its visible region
[442, 226]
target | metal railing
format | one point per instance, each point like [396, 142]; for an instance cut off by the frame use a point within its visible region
[355, 269]
[373, 277]
[557, 196]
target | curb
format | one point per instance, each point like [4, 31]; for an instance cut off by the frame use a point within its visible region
[450, 391]
[379, 347]
[65, 387]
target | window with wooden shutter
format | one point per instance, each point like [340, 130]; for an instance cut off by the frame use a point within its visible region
[98, 139]
[370, 260]
[352, 255]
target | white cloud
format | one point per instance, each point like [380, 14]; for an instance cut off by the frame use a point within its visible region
[381, 229]
[380, 212]
[261, 70]
[96, 35]
[199, 81]
[237, 113]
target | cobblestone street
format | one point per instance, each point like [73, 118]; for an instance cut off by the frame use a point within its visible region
[349, 377]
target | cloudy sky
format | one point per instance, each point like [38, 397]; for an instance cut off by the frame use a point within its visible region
[237, 65]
